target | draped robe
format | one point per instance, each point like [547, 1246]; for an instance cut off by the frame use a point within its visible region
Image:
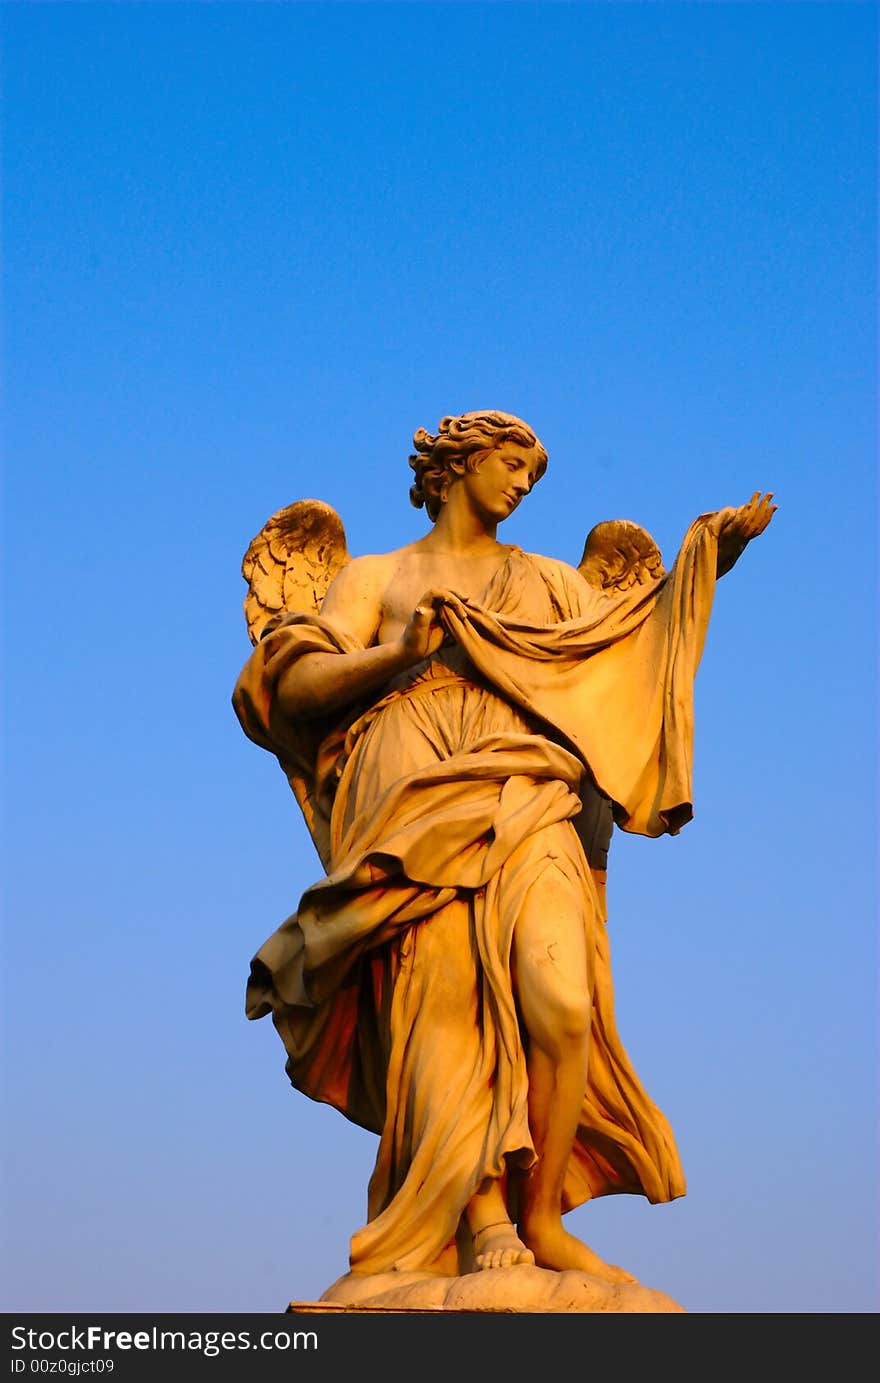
[435, 810]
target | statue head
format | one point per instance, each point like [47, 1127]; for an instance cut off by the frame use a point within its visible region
[461, 443]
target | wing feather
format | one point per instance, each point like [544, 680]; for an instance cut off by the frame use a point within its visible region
[618, 554]
[291, 561]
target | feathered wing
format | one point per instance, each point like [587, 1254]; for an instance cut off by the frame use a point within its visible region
[290, 563]
[618, 554]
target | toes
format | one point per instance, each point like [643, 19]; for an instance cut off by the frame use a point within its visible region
[503, 1258]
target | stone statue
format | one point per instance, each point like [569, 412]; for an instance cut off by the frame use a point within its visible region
[462, 723]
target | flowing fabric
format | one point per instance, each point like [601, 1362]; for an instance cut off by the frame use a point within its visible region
[435, 811]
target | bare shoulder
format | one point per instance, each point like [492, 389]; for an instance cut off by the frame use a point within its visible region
[354, 597]
[363, 573]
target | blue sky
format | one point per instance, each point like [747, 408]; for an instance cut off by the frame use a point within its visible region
[248, 250]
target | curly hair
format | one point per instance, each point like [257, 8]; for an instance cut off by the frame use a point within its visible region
[467, 438]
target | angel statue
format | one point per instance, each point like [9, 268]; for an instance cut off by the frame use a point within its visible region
[462, 723]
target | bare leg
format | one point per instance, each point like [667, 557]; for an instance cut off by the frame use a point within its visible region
[495, 1240]
[555, 1000]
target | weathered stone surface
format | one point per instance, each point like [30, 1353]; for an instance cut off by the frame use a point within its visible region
[522, 1289]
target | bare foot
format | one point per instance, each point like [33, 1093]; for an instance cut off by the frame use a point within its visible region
[555, 1248]
[499, 1246]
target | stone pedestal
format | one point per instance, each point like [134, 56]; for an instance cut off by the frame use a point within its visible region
[522, 1289]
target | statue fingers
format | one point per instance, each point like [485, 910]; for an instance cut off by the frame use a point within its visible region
[760, 515]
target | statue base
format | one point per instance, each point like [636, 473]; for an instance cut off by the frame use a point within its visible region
[520, 1289]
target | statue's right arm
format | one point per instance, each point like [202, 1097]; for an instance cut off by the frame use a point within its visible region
[318, 683]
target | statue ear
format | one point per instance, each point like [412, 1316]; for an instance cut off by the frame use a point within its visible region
[455, 470]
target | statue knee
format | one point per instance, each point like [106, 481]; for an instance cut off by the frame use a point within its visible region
[570, 1020]
[558, 1019]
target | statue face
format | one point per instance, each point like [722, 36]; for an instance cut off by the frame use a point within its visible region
[501, 480]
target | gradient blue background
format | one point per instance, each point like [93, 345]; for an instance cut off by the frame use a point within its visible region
[248, 250]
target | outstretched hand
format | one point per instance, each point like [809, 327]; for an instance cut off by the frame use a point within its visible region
[735, 528]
